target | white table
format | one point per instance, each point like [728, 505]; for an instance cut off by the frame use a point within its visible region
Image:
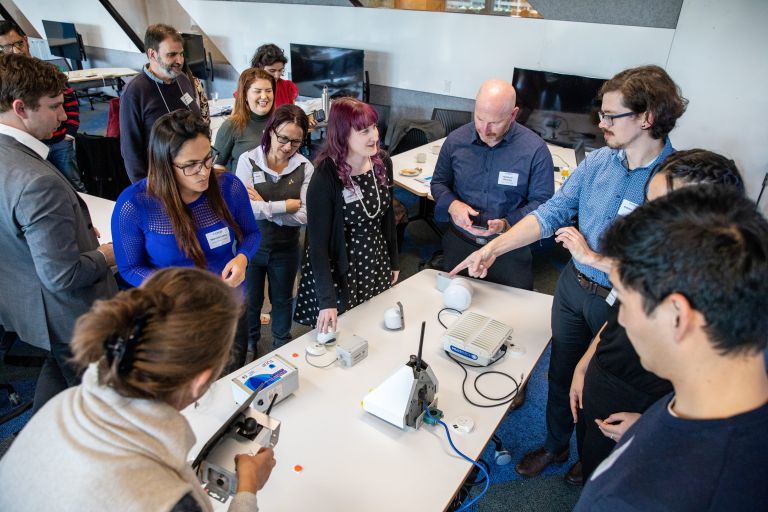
[217, 121]
[101, 215]
[354, 461]
[99, 77]
[407, 160]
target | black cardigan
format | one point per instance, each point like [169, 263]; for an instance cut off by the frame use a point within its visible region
[325, 231]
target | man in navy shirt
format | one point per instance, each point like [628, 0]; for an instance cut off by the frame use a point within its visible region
[490, 174]
[692, 276]
[640, 106]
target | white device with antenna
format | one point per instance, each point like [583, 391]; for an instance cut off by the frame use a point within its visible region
[477, 339]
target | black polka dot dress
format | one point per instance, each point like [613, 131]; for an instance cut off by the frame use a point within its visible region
[369, 265]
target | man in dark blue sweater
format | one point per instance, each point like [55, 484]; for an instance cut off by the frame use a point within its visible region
[160, 89]
[692, 276]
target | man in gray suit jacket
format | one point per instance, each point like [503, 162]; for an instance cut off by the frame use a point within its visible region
[52, 267]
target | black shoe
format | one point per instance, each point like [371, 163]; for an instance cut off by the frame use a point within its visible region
[519, 399]
[575, 476]
[533, 463]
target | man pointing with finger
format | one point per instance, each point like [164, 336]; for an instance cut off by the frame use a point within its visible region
[491, 173]
[640, 107]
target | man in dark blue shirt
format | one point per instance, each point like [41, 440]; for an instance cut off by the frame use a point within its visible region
[691, 272]
[490, 174]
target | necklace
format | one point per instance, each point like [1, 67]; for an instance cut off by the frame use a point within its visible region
[378, 197]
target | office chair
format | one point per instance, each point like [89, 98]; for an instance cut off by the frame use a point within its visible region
[101, 165]
[413, 138]
[451, 119]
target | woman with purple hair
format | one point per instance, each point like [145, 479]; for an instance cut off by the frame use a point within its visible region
[351, 253]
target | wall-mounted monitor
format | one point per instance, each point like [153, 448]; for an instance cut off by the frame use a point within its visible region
[561, 108]
[64, 41]
[341, 69]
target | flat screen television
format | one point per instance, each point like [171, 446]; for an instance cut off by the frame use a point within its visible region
[341, 69]
[64, 41]
[194, 55]
[561, 108]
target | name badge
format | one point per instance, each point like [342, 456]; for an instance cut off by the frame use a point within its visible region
[258, 177]
[508, 178]
[186, 99]
[611, 298]
[351, 195]
[218, 238]
[626, 208]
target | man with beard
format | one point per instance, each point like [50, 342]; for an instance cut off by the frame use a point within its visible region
[161, 89]
[491, 173]
[640, 106]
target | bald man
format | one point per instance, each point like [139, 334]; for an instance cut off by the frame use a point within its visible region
[491, 173]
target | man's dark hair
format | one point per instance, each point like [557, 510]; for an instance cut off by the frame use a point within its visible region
[7, 26]
[27, 79]
[268, 54]
[699, 166]
[708, 243]
[649, 89]
[158, 33]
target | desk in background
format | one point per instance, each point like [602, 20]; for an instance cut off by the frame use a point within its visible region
[353, 460]
[99, 77]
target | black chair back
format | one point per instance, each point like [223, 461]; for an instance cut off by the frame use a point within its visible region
[413, 138]
[101, 165]
[451, 119]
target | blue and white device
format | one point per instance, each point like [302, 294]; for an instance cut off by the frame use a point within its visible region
[477, 339]
[279, 376]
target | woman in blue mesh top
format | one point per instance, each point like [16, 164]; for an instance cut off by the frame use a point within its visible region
[183, 215]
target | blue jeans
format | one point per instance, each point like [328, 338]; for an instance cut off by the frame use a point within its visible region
[62, 155]
[281, 267]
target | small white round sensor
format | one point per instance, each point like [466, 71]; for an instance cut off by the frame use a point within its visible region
[316, 349]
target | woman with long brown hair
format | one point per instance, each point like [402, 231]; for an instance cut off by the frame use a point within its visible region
[183, 215]
[242, 131]
[118, 440]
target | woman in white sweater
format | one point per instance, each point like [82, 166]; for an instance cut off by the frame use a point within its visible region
[118, 440]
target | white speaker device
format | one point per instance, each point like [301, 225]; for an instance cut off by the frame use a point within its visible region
[477, 339]
[457, 291]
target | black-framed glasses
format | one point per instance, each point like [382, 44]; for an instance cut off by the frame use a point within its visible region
[282, 139]
[609, 118]
[18, 45]
[193, 168]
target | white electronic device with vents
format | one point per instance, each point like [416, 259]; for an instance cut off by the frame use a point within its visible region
[476, 338]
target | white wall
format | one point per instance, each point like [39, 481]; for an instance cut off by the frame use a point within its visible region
[91, 19]
[441, 53]
[719, 58]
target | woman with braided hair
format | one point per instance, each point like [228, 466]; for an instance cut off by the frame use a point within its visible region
[118, 440]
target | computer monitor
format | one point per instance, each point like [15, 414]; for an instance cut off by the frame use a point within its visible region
[341, 69]
[64, 41]
[561, 108]
[195, 55]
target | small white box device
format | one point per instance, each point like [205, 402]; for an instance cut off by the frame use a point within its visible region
[477, 338]
[352, 351]
[281, 378]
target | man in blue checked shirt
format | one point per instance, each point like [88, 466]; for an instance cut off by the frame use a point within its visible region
[640, 106]
[491, 173]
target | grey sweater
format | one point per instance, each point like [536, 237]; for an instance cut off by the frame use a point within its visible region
[231, 143]
[90, 448]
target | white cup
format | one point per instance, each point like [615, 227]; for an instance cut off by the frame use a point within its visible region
[421, 158]
[435, 149]
[392, 319]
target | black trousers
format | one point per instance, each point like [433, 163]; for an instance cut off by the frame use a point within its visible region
[510, 269]
[240, 345]
[577, 316]
[56, 375]
[603, 395]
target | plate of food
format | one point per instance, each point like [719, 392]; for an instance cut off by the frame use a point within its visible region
[410, 172]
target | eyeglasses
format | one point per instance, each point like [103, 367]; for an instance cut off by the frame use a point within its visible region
[194, 168]
[282, 139]
[18, 45]
[609, 118]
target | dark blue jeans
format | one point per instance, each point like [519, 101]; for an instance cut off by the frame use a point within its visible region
[280, 266]
[62, 155]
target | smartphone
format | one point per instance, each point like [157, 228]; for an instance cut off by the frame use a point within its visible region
[480, 221]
